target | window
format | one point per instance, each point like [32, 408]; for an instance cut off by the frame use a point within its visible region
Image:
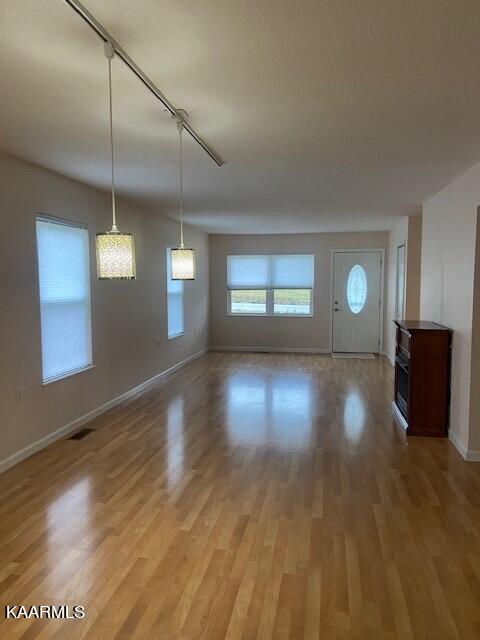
[245, 301]
[291, 279]
[292, 301]
[175, 319]
[356, 288]
[64, 284]
[279, 285]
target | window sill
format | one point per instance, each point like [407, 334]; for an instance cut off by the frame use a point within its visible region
[269, 315]
[69, 374]
[176, 335]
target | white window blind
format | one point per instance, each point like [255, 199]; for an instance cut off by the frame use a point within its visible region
[64, 284]
[248, 272]
[270, 272]
[175, 319]
[291, 272]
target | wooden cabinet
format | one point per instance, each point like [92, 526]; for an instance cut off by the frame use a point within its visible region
[422, 378]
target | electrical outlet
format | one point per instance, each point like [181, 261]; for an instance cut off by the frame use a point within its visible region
[159, 343]
[19, 394]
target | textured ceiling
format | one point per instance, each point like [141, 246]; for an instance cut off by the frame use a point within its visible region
[330, 114]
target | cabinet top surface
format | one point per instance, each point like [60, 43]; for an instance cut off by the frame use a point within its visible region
[420, 325]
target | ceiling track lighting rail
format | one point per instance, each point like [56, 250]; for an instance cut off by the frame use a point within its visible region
[121, 53]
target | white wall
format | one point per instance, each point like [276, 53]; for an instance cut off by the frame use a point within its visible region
[474, 430]
[413, 270]
[447, 285]
[291, 333]
[127, 316]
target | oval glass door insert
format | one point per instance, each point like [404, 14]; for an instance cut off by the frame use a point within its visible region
[356, 288]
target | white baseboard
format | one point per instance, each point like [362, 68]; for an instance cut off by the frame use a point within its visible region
[459, 446]
[470, 455]
[78, 422]
[272, 349]
[389, 358]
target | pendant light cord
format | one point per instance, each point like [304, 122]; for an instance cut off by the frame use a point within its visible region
[180, 173]
[110, 54]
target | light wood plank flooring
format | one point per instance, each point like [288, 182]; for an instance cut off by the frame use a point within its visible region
[247, 496]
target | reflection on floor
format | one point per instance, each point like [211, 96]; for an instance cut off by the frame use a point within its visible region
[247, 496]
[270, 409]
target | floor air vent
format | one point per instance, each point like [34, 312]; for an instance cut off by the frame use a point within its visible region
[79, 435]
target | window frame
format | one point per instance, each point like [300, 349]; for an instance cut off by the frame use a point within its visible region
[247, 315]
[173, 336]
[269, 312]
[270, 291]
[65, 222]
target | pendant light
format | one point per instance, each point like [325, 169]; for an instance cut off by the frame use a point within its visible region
[183, 259]
[115, 250]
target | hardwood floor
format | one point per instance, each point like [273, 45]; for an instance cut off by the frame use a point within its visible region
[247, 496]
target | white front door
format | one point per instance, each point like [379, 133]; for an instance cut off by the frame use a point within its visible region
[356, 301]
